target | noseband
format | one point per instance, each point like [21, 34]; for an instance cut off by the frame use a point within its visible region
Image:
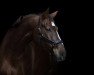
[53, 43]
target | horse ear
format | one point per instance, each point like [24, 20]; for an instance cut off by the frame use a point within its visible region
[18, 21]
[53, 14]
[45, 14]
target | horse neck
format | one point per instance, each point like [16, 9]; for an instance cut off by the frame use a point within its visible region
[17, 33]
[40, 59]
[39, 53]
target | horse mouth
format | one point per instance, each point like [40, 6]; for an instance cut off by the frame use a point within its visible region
[59, 56]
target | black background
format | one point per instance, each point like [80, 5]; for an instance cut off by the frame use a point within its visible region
[10, 11]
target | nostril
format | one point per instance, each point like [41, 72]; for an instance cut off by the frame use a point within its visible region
[62, 57]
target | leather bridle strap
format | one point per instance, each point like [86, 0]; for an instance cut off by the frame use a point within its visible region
[49, 41]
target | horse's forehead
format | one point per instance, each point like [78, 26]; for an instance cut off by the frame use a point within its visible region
[52, 23]
[49, 22]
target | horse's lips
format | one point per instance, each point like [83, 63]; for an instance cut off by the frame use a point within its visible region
[58, 55]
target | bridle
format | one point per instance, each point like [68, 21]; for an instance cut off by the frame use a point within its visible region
[42, 37]
[45, 39]
[53, 43]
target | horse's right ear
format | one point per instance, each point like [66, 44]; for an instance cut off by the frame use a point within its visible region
[45, 14]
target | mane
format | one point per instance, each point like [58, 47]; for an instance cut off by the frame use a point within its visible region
[21, 18]
[20, 30]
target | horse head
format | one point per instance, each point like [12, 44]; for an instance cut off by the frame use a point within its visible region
[47, 35]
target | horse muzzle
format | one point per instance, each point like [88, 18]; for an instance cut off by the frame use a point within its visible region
[59, 54]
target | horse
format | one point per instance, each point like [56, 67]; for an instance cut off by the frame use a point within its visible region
[31, 46]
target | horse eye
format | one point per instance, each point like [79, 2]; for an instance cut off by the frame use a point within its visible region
[55, 28]
[48, 29]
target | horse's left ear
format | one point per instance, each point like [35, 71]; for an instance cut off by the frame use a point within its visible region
[53, 14]
[45, 14]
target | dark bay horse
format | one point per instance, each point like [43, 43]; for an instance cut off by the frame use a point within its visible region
[32, 46]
